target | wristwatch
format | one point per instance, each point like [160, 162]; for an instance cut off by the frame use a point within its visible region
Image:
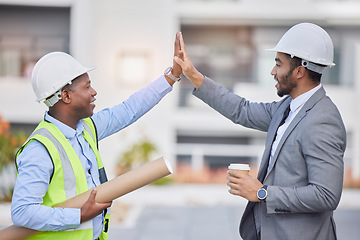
[262, 193]
[170, 75]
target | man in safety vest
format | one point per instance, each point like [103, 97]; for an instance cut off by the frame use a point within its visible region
[61, 160]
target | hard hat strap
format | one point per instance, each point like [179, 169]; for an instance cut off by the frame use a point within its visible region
[312, 66]
[53, 99]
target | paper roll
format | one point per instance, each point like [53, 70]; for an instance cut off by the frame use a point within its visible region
[106, 192]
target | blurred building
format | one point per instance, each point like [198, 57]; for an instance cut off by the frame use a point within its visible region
[131, 43]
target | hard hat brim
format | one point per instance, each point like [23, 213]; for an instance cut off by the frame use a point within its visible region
[275, 49]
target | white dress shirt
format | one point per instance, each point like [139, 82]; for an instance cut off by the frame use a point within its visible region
[295, 107]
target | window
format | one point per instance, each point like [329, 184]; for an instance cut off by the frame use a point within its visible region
[217, 150]
[27, 33]
[224, 53]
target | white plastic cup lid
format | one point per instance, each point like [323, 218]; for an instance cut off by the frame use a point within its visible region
[239, 166]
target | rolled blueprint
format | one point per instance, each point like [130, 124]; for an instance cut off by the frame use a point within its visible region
[106, 192]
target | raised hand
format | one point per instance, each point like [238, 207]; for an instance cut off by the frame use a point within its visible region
[176, 67]
[187, 66]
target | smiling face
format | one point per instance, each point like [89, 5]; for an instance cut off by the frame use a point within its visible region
[283, 74]
[82, 97]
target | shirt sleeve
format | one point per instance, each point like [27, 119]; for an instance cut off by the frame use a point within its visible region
[34, 172]
[112, 120]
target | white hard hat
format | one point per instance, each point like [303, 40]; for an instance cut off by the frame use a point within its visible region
[52, 72]
[309, 42]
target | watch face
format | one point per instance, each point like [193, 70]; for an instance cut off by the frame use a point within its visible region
[262, 194]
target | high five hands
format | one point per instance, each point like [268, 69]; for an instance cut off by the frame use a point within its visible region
[184, 61]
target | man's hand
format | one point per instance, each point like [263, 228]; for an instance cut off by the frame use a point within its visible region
[91, 208]
[188, 68]
[244, 185]
[176, 71]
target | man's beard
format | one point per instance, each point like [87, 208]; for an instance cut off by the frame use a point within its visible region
[286, 85]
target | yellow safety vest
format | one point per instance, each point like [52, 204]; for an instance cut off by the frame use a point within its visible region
[68, 179]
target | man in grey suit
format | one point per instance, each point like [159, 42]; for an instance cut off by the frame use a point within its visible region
[300, 178]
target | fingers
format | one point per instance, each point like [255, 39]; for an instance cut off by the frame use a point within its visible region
[188, 69]
[105, 205]
[100, 205]
[176, 45]
[236, 174]
[91, 208]
[92, 195]
[176, 67]
[235, 183]
[181, 55]
[182, 44]
[235, 192]
[245, 186]
[179, 61]
[234, 188]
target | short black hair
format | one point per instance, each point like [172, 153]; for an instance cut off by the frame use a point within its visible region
[296, 61]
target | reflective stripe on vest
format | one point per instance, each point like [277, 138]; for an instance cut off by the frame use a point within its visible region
[69, 175]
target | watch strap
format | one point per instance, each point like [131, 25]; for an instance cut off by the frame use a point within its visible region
[170, 75]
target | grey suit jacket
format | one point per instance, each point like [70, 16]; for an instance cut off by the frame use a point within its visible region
[306, 176]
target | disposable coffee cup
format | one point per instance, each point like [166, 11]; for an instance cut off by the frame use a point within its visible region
[241, 168]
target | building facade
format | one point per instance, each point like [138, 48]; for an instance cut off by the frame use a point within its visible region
[131, 43]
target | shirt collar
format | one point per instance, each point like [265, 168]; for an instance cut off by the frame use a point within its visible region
[65, 129]
[299, 101]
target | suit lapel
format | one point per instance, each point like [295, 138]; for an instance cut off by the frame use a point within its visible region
[270, 138]
[290, 128]
[308, 106]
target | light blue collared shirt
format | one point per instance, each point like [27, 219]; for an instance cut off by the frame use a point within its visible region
[35, 166]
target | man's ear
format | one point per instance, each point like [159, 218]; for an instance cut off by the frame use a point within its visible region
[66, 96]
[300, 71]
